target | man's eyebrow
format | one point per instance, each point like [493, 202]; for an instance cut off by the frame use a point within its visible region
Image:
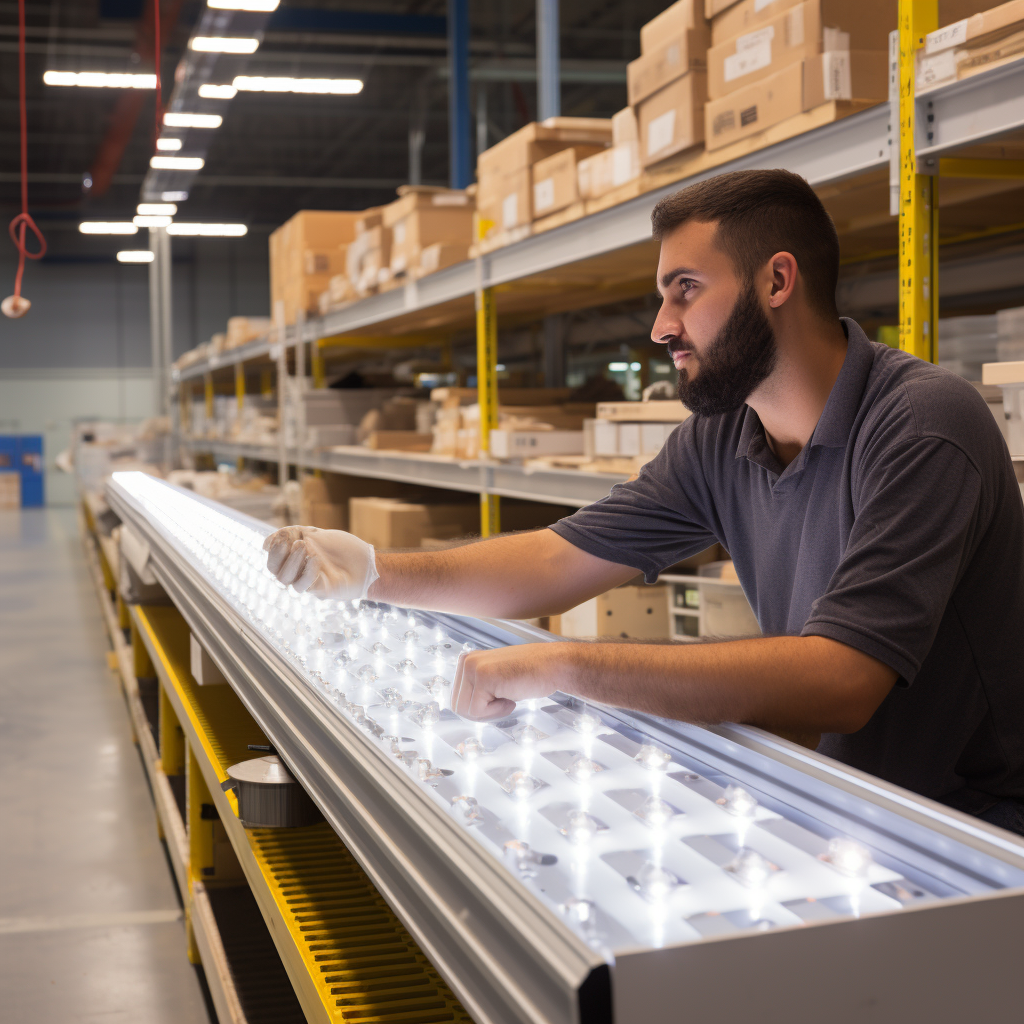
[667, 279]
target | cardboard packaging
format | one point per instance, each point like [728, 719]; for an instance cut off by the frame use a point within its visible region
[971, 44]
[527, 444]
[665, 63]
[624, 127]
[630, 612]
[798, 33]
[440, 255]
[393, 523]
[308, 232]
[599, 174]
[422, 217]
[713, 7]
[673, 21]
[555, 182]
[835, 75]
[673, 118]
[325, 499]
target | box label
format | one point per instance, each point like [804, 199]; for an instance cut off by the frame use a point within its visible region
[510, 211]
[943, 38]
[543, 194]
[760, 5]
[745, 62]
[835, 73]
[748, 116]
[660, 132]
[399, 232]
[622, 165]
[939, 68]
[752, 40]
[448, 199]
[725, 121]
[795, 27]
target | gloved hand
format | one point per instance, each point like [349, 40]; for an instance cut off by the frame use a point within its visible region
[326, 563]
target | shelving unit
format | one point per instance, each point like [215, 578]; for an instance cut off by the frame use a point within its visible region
[968, 132]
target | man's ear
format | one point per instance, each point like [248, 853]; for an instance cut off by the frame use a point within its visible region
[784, 272]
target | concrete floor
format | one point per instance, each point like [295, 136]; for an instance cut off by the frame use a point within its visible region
[90, 924]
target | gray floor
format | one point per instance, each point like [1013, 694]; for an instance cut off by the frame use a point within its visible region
[90, 926]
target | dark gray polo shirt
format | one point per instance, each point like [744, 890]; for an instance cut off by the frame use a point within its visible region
[898, 530]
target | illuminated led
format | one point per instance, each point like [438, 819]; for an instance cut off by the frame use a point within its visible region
[406, 665]
[738, 801]
[587, 723]
[749, 868]
[580, 827]
[516, 782]
[410, 636]
[156, 209]
[527, 860]
[848, 857]
[135, 256]
[429, 772]
[654, 883]
[379, 648]
[527, 735]
[655, 812]
[582, 768]
[429, 714]
[580, 911]
[367, 674]
[392, 698]
[209, 91]
[653, 757]
[470, 749]
[151, 222]
[168, 145]
[437, 684]
[468, 809]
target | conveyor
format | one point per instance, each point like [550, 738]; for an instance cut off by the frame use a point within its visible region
[577, 863]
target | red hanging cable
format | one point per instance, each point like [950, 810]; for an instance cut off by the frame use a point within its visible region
[14, 305]
[157, 106]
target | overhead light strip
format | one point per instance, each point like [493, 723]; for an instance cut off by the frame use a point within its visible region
[135, 256]
[100, 79]
[176, 163]
[324, 86]
[223, 44]
[261, 6]
[104, 227]
[185, 120]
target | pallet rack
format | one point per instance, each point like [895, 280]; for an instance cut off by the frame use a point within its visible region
[286, 925]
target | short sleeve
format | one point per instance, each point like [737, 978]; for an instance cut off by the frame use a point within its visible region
[654, 521]
[917, 509]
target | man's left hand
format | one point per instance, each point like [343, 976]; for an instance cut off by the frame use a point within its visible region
[488, 684]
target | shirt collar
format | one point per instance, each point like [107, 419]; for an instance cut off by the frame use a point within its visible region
[836, 422]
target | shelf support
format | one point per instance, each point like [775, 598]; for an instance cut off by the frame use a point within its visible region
[487, 395]
[918, 207]
[995, 169]
[208, 394]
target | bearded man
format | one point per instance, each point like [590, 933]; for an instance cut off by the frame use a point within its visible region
[867, 500]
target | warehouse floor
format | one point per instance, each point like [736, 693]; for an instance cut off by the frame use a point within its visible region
[90, 924]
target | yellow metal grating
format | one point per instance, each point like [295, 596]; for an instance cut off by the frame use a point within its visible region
[365, 965]
[349, 937]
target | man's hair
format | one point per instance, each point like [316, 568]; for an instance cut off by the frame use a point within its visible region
[760, 213]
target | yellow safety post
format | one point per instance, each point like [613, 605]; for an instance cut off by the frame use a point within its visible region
[171, 738]
[199, 825]
[142, 664]
[185, 407]
[995, 168]
[208, 386]
[317, 366]
[240, 385]
[487, 395]
[266, 381]
[919, 210]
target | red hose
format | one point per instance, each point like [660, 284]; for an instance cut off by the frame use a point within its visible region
[23, 222]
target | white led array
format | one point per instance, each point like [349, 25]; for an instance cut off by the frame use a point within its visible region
[630, 843]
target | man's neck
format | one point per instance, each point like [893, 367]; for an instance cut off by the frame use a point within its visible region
[790, 402]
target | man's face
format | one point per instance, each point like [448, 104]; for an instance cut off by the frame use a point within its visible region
[712, 321]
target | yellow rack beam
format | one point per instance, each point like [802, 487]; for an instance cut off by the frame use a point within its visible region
[349, 958]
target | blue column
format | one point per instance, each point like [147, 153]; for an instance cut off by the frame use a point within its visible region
[459, 120]
[549, 86]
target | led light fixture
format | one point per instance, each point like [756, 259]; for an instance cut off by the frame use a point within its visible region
[151, 221]
[243, 5]
[209, 91]
[635, 836]
[209, 230]
[103, 227]
[176, 163]
[325, 86]
[99, 79]
[183, 120]
[156, 209]
[134, 256]
[223, 44]
[174, 197]
[168, 145]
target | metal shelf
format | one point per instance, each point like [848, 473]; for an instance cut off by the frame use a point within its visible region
[509, 480]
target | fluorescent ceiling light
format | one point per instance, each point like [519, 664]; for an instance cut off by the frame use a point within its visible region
[156, 209]
[173, 120]
[224, 44]
[243, 5]
[217, 92]
[152, 222]
[134, 256]
[174, 197]
[618, 367]
[103, 227]
[209, 230]
[326, 86]
[99, 79]
[176, 163]
[168, 145]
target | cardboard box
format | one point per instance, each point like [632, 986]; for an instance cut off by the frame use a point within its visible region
[970, 45]
[713, 7]
[424, 216]
[630, 612]
[243, 329]
[837, 75]
[599, 174]
[745, 16]
[525, 444]
[555, 183]
[798, 33]
[392, 523]
[440, 255]
[665, 63]
[399, 441]
[674, 20]
[624, 127]
[538, 140]
[507, 201]
[325, 516]
[868, 25]
[655, 411]
[325, 499]
[673, 118]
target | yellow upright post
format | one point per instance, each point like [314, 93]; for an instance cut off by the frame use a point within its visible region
[487, 394]
[200, 840]
[266, 381]
[208, 385]
[919, 236]
[240, 385]
[316, 361]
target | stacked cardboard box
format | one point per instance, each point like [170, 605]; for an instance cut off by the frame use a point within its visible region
[423, 217]
[627, 435]
[325, 499]
[667, 83]
[305, 252]
[505, 178]
[597, 175]
[401, 523]
[368, 257]
[771, 61]
[972, 44]
[243, 329]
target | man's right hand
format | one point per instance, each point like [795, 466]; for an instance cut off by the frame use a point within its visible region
[326, 563]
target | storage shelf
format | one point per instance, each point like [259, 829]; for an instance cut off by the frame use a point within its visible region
[509, 480]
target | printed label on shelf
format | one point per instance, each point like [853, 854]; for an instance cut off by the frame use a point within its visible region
[835, 67]
[943, 38]
[933, 70]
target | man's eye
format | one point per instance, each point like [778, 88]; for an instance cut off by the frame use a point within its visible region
[685, 284]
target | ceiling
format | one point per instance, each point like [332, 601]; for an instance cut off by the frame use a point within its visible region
[275, 154]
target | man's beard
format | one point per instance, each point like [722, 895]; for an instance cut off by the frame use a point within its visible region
[735, 364]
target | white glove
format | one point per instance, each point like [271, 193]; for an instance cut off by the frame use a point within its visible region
[326, 563]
